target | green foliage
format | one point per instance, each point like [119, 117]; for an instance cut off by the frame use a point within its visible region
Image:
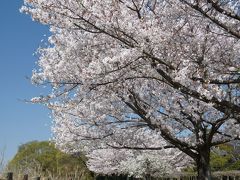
[224, 157]
[218, 163]
[44, 158]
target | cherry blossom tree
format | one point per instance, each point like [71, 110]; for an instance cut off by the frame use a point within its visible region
[139, 164]
[170, 68]
[104, 158]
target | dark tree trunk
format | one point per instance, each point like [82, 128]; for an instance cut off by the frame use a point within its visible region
[203, 164]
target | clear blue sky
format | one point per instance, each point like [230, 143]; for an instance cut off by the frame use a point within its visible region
[19, 38]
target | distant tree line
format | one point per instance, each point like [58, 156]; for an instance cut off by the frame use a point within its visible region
[42, 158]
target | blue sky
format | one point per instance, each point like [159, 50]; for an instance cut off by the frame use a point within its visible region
[19, 38]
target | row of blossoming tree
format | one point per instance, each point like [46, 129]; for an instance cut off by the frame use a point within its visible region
[141, 79]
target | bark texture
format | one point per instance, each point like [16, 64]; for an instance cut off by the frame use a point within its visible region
[203, 164]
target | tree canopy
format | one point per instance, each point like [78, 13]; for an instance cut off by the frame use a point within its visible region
[43, 158]
[141, 74]
[225, 157]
